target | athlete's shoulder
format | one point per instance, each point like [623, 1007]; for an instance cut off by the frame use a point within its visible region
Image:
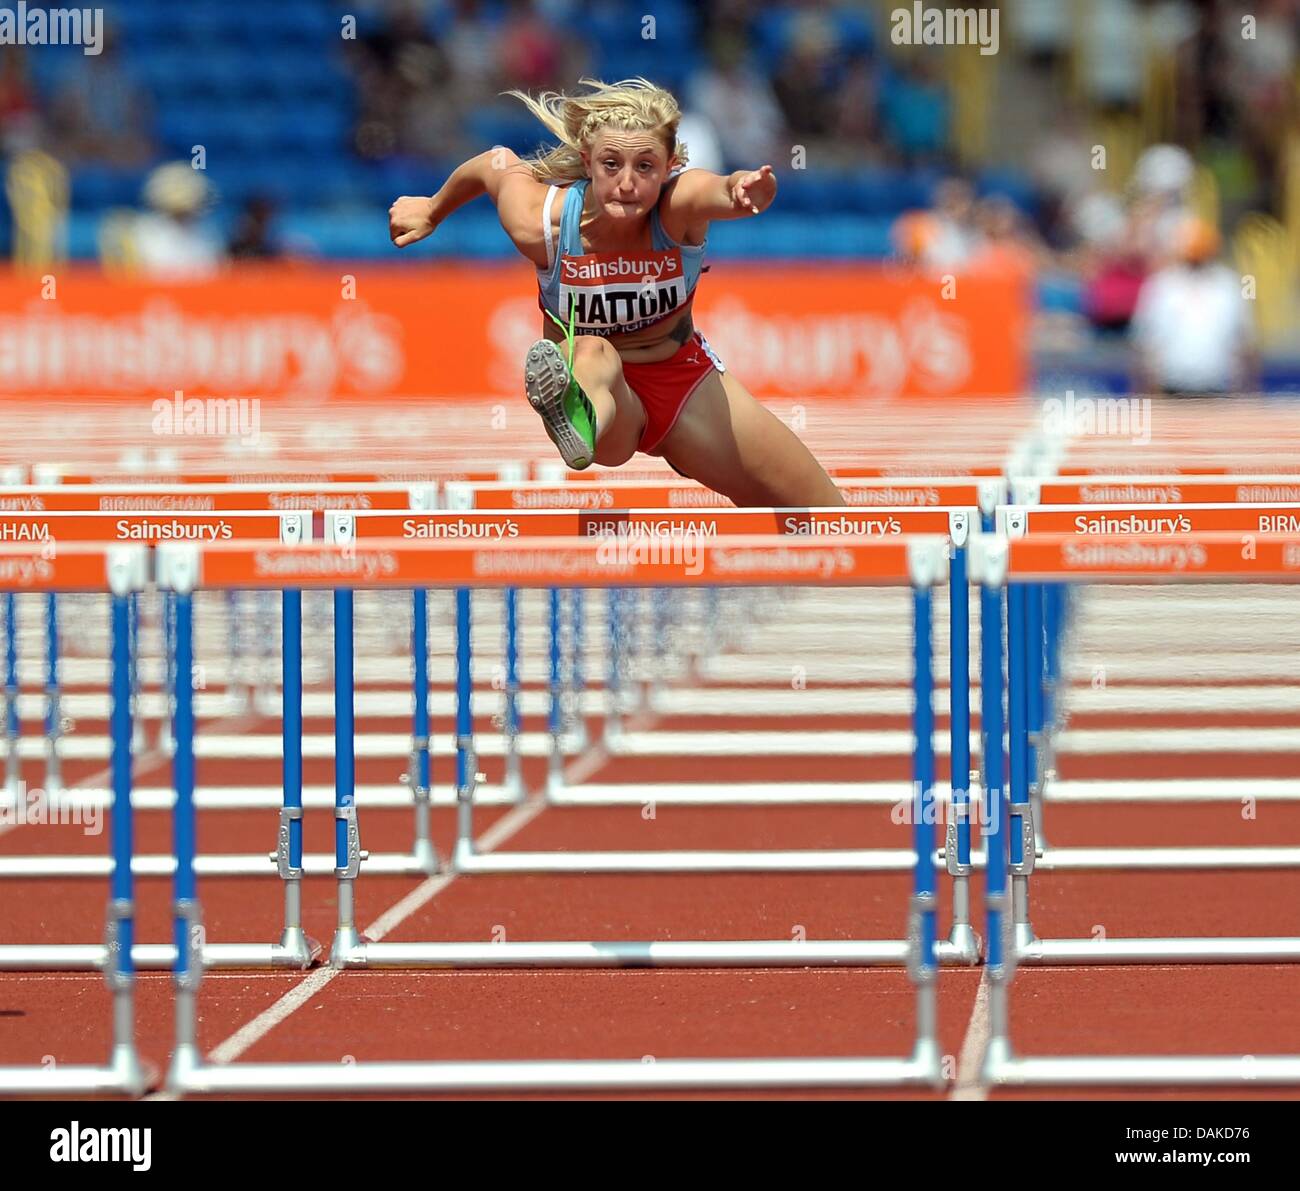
[520, 201]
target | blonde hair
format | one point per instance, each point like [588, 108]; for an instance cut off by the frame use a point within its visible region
[633, 104]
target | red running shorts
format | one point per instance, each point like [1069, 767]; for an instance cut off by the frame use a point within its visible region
[665, 388]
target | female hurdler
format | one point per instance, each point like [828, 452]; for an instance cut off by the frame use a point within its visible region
[618, 259]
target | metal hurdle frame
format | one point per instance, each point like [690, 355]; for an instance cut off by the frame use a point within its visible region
[1042, 601]
[179, 570]
[1011, 855]
[126, 572]
[962, 946]
[295, 949]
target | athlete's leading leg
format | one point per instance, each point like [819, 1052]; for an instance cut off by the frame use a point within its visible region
[598, 411]
[729, 442]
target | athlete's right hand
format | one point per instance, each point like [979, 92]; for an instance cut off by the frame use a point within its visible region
[410, 219]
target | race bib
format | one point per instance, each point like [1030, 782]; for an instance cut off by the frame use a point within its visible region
[612, 292]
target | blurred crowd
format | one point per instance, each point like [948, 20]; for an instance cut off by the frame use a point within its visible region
[1182, 94]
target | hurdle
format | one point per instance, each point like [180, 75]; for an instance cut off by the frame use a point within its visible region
[883, 495]
[1000, 564]
[123, 570]
[1084, 521]
[294, 949]
[916, 562]
[644, 526]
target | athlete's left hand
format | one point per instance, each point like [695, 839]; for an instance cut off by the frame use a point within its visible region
[754, 191]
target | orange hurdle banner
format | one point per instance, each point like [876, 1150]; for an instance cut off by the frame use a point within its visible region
[745, 560]
[554, 472]
[152, 528]
[491, 525]
[1017, 520]
[985, 493]
[75, 567]
[1157, 489]
[513, 470]
[1137, 558]
[197, 498]
[288, 335]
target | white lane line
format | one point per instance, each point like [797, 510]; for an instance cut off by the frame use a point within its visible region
[969, 1086]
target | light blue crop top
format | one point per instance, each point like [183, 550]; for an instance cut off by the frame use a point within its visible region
[613, 292]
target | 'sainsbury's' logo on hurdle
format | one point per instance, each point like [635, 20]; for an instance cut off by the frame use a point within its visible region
[53, 26]
[79, 1143]
[919, 25]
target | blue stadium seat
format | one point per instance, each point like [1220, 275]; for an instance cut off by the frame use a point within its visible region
[96, 187]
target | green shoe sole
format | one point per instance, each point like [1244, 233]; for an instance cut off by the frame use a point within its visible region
[570, 423]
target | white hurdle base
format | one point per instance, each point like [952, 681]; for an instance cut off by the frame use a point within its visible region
[254, 864]
[124, 1075]
[1145, 859]
[1144, 1070]
[1227, 950]
[152, 957]
[557, 1075]
[873, 860]
[757, 953]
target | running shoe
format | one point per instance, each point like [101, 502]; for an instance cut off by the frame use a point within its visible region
[553, 391]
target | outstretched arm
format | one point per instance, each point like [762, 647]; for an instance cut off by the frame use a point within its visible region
[497, 172]
[700, 196]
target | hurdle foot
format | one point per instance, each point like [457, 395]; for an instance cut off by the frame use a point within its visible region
[425, 857]
[997, 1059]
[349, 948]
[135, 1077]
[964, 945]
[296, 949]
[186, 1063]
[1024, 936]
[928, 1062]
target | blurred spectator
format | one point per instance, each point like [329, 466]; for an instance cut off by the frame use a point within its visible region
[805, 82]
[740, 102]
[471, 51]
[1162, 189]
[531, 49]
[100, 114]
[1006, 242]
[954, 211]
[1192, 330]
[20, 121]
[914, 108]
[914, 236]
[854, 107]
[169, 242]
[1041, 28]
[404, 79]
[701, 141]
[252, 238]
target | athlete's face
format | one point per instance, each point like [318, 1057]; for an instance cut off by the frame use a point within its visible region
[627, 170]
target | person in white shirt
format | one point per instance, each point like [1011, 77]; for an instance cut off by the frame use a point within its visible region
[170, 242]
[1192, 330]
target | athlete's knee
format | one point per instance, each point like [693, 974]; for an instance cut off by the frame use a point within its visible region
[592, 351]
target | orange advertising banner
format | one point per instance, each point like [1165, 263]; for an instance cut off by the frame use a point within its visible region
[459, 331]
